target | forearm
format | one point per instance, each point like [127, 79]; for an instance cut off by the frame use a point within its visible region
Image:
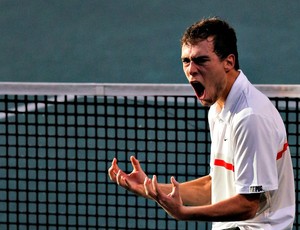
[186, 201]
[195, 193]
[237, 208]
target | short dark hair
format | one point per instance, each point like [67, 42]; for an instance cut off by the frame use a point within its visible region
[225, 41]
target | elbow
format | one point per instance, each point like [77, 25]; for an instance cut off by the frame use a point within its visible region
[250, 212]
[253, 212]
[249, 215]
[250, 206]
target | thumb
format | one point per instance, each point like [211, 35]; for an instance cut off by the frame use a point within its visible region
[175, 187]
[173, 181]
[135, 164]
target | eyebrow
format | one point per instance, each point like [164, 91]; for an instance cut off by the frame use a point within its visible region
[203, 57]
[198, 58]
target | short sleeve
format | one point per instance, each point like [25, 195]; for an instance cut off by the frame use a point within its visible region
[255, 154]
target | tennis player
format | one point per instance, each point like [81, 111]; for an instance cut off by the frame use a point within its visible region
[251, 183]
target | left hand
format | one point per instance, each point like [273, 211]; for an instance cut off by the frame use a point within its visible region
[171, 202]
[133, 181]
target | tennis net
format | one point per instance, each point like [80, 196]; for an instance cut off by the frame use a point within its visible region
[58, 140]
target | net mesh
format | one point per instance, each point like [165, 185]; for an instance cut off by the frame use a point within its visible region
[55, 152]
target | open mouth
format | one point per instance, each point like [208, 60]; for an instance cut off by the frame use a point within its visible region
[198, 88]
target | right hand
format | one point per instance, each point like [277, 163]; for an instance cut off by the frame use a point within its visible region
[134, 181]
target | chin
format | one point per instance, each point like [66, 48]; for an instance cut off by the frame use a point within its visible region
[205, 103]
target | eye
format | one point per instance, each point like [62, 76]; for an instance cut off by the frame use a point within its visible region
[200, 60]
[185, 60]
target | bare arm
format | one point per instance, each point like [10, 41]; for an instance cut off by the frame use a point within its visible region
[239, 207]
[193, 193]
[236, 208]
[196, 192]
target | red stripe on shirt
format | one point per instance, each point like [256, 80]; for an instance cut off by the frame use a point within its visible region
[279, 155]
[224, 164]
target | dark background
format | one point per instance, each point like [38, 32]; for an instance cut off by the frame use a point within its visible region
[137, 41]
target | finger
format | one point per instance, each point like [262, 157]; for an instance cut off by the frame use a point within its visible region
[156, 189]
[146, 181]
[115, 164]
[148, 188]
[154, 183]
[175, 187]
[173, 181]
[120, 178]
[155, 186]
[135, 164]
[112, 171]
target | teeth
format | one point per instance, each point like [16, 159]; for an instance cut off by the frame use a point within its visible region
[198, 87]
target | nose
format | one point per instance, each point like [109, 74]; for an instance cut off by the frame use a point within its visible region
[191, 70]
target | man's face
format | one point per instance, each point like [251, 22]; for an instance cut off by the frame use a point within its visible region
[204, 71]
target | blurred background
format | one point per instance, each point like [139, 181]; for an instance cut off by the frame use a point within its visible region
[137, 41]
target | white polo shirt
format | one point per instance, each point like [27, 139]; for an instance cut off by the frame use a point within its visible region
[250, 154]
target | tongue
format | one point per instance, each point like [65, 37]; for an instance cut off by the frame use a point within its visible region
[198, 88]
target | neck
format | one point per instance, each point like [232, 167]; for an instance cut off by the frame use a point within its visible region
[231, 77]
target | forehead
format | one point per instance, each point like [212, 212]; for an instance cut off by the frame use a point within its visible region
[202, 47]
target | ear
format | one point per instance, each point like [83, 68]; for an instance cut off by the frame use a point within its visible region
[229, 62]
